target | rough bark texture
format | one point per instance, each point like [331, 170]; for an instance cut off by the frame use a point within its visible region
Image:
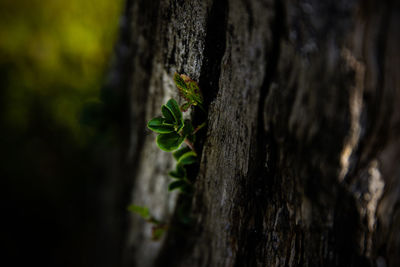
[300, 160]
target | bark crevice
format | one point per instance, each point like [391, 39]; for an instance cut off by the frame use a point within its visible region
[214, 49]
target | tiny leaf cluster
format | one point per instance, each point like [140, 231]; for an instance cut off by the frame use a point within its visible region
[189, 90]
[170, 127]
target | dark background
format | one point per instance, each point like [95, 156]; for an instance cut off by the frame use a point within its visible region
[54, 57]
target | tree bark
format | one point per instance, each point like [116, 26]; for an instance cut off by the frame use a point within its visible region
[300, 159]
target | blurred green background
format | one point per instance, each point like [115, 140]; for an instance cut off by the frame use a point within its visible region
[53, 59]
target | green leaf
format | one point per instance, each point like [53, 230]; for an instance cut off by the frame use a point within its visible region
[179, 82]
[142, 211]
[182, 87]
[195, 91]
[193, 87]
[179, 172]
[173, 106]
[170, 141]
[169, 116]
[186, 106]
[189, 90]
[176, 185]
[177, 154]
[159, 125]
[188, 158]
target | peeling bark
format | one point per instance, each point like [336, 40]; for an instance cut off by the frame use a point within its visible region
[300, 159]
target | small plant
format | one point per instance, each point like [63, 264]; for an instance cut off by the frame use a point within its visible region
[173, 131]
[176, 135]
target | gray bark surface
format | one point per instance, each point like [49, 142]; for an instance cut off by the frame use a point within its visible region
[300, 158]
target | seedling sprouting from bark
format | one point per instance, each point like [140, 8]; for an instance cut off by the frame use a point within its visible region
[173, 131]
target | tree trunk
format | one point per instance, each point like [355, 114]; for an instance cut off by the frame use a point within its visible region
[300, 159]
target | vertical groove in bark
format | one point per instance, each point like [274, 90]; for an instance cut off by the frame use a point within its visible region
[238, 115]
[214, 49]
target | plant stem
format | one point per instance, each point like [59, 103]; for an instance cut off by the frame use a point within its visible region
[190, 144]
[199, 127]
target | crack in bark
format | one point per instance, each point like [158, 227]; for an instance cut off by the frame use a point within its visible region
[214, 49]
